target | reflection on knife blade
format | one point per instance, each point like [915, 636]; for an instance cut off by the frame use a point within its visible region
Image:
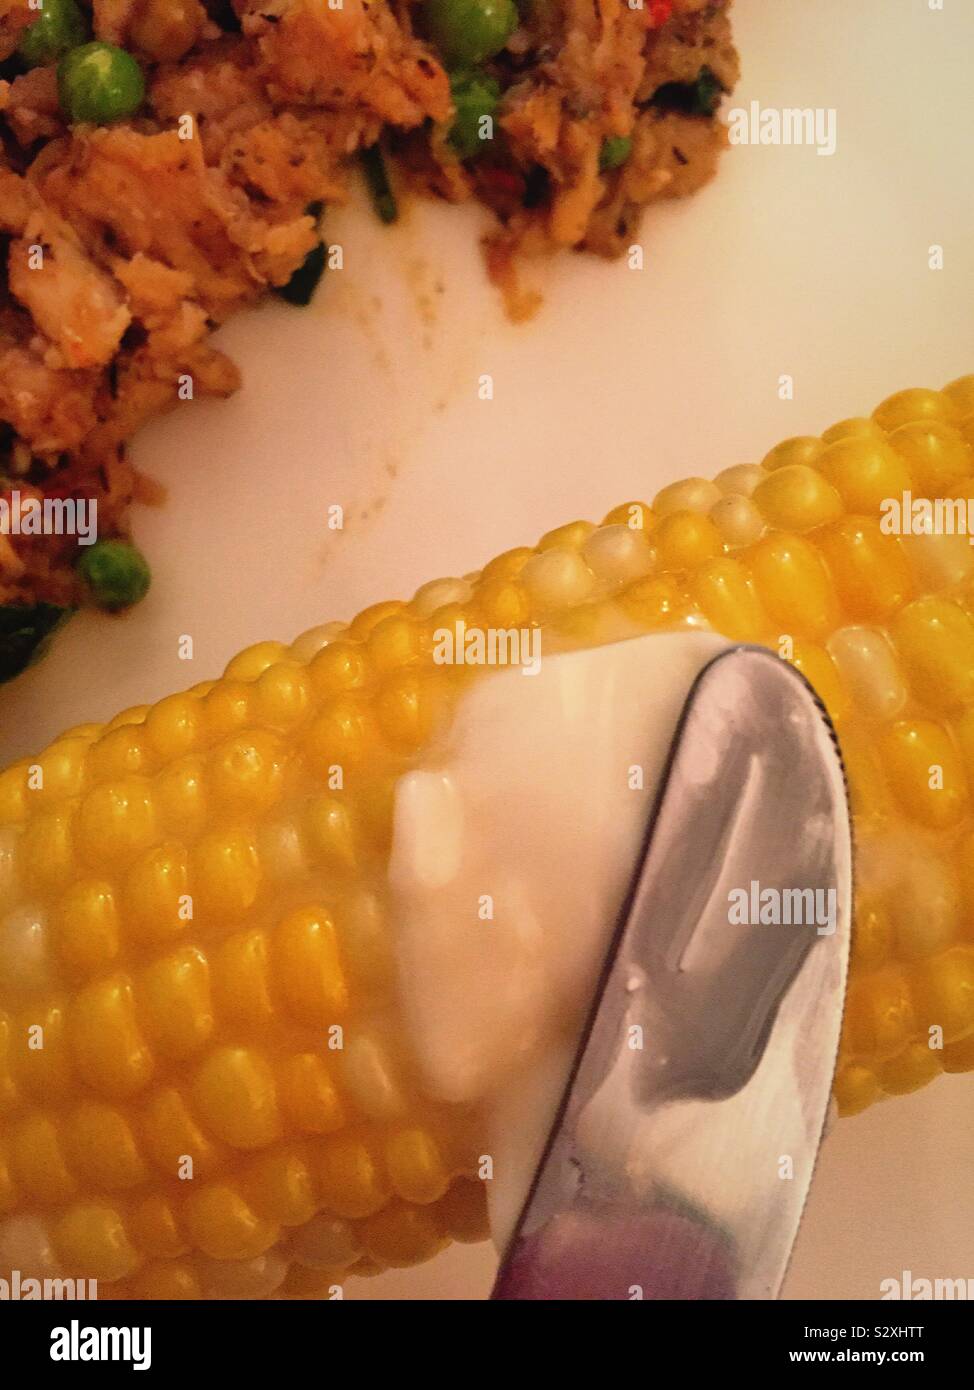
[681, 1157]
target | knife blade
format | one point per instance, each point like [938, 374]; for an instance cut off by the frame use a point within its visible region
[680, 1159]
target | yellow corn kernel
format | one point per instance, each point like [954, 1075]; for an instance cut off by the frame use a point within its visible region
[241, 980]
[180, 798]
[794, 585]
[725, 595]
[864, 470]
[570, 537]
[168, 1281]
[174, 726]
[869, 570]
[85, 924]
[60, 771]
[916, 403]
[935, 641]
[101, 1148]
[803, 450]
[797, 498]
[156, 897]
[935, 453]
[332, 837]
[880, 1014]
[637, 516]
[280, 1187]
[37, 1160]
[41, 1059]
[254, 661]
[307, 966]
[245, 773]
[926, 772]
[91, 1238]
[416, 1167]
[225, 874]
[944, 992]
[174, 1141]
[174, 1002]
[282, 695]
[402, 1235]
[308, 1096]
[915, 1066]
[109, 1049]
[349, 1180]
[154, 1228]
[224, 1226]
[690, 495]
[47, 850]
[115, 821]
[819, 670]
[194, 897]
[235, 1096]
[856, 1088]
[685, 540]
[120, 752]
[227, 709]
[463, 1211]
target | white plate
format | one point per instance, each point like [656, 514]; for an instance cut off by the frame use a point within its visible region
[790, 264]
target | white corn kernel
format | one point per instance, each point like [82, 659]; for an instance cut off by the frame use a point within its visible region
[618, 554]
[557, 578]
[741, 480]
[868, 667]
[738, 520]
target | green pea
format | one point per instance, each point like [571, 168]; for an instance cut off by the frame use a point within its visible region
[615, 151]
[59, 26]
[475, 95]
[468, 32]
[99, 82]
[116, 572]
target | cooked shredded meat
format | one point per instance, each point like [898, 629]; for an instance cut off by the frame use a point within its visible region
[126, 245]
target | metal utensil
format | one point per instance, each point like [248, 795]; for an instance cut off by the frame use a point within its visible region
[681, 1157]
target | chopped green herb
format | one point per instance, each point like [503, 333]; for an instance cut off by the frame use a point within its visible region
[300, 288]
[25, 631]
[377, 179]
[614, 153]
[698, 98]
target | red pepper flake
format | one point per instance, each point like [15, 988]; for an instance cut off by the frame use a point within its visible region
[659, 12]
[503, 182]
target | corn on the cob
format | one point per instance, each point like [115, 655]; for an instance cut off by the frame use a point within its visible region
[193, 920]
